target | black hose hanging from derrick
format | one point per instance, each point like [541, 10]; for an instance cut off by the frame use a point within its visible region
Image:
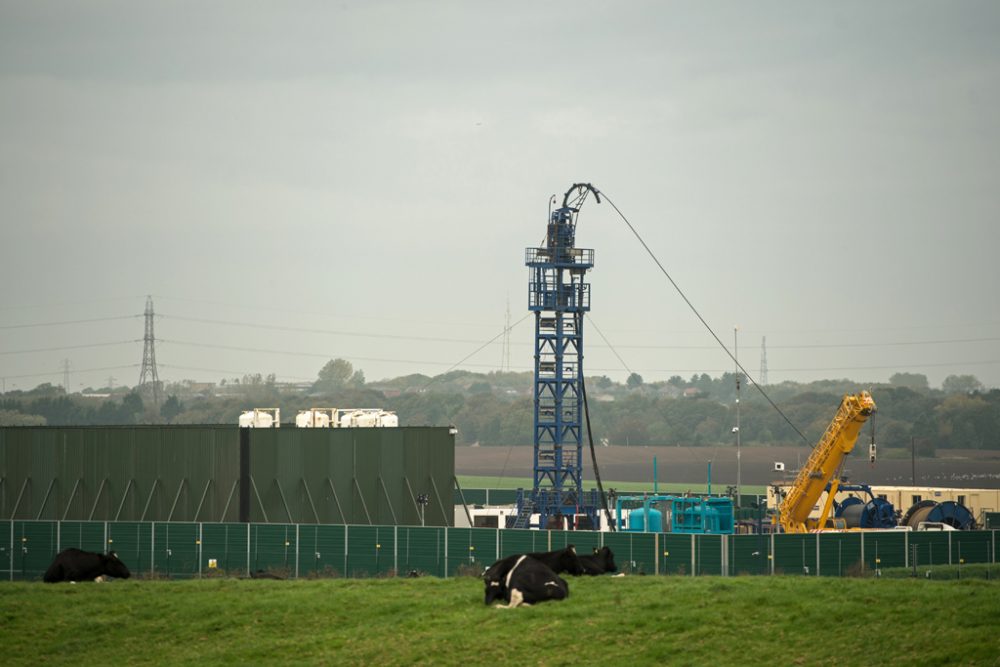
[590, 439]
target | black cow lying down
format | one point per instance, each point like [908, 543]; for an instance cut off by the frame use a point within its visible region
[602, 561]
[527, 581]
[77, 565]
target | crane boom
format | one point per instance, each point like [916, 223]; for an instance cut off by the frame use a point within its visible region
[823, 464]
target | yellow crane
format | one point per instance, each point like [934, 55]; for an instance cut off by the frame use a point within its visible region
[824, 465]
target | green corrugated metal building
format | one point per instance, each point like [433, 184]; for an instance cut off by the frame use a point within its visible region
[369, 476]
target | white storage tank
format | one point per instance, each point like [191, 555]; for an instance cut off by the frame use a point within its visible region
[260, 418]
[315, 418]
[388, 419]
[365, 419]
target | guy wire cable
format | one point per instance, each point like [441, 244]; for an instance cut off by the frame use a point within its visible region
[702, 319]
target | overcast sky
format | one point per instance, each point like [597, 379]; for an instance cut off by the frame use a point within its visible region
[360, 180]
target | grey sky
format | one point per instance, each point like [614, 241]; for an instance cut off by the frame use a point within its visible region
[825, 176]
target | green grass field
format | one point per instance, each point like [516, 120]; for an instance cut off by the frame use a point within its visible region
[606, 621]
[474, 482]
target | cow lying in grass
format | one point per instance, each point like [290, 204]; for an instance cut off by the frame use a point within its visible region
[559, 561]
[523, 581]
[77, 565]
[603, 560]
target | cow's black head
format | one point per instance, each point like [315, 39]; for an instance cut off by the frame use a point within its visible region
[569, 562]
[494, 591]
[607, 558]
[112, 566]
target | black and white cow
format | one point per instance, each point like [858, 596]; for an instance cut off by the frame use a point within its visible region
[603, 560]
[77, 565]
[527, 581]
[559, 561]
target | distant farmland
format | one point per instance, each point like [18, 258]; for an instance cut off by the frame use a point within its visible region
[688, 466]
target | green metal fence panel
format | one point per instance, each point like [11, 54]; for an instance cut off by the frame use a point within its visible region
[273, 548]
[322, 550]
[462, 553]
[840, 554]
[371, 550]
[971, 546]
[523, 541]
[186, 549]
[174, 549]
[485, 496]
[421, 549]
[795, 554]
[34, 547]
[708, 555]
[86, 535]
[749, 554]
[675, 553]
[226, 545]
[585, 541]
[884, 549]
[635, 553]
[484, 543]
[929, 548]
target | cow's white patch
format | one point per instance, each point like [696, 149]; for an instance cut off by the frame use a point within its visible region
[511, 573]
[516, 599]
[100, 579]
[551, 583]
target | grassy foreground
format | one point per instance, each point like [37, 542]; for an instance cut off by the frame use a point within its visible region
[606, 621]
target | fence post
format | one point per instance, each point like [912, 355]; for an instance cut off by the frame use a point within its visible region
[949, 547]
[346, 573]
[152, 548]
[297, 552]
[446, 550]
[248, 548]
[862, 553]
[656, 553]
[395, 550]
[692, 555]
[817, 554]
[906, 548]
[11, 558]
[771, 555]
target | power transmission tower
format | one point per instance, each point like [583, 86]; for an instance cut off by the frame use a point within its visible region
[763, 361]
[66, 375]
[149, 379]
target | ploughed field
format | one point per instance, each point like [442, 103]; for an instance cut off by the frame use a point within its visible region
[689, 465]
[607, 620]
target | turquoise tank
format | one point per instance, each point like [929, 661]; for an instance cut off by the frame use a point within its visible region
[637, 520]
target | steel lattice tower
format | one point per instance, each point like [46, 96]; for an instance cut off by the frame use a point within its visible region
[149, 379]
[559, 297]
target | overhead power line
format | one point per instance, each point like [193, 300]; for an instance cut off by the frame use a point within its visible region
[73, 347]
[64, 322]
[332, 332]
[72, 371]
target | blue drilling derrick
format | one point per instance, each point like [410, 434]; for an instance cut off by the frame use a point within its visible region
[559, 297]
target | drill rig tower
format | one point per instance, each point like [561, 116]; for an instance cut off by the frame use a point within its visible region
[559, 297]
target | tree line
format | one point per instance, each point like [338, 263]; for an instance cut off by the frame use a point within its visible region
[494, 409]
